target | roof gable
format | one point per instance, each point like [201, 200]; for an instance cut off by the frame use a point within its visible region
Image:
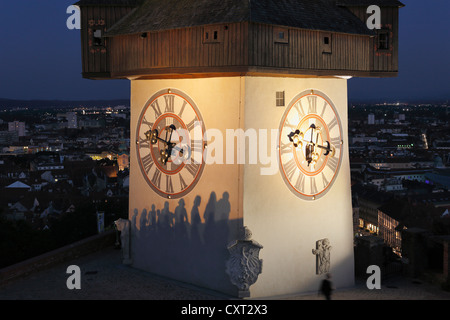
[18, 185]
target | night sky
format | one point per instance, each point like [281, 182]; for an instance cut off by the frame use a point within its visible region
[41, 59]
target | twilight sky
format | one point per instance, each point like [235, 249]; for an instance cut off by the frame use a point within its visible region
[41, 59]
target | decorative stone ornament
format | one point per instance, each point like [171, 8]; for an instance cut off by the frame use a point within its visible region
[244, 266]
[322, 253]
[123, 226]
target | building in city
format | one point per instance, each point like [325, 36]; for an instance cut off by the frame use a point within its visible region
[17, 126]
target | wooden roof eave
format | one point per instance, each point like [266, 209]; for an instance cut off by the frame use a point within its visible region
[202, 72]
[370, 33]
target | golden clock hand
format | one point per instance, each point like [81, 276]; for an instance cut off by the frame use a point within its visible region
[154, 137]
[330, 150]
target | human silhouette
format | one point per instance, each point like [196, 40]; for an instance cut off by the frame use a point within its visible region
[181, 220]
[195, 214]
[166, 217]
[143, 220]
[210, 220]
[223, 208]
[195, 222]
[210, 210]
[152, 217]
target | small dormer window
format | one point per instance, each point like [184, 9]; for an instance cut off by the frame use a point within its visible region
[281, 35]
[326, 43]
[211, 34]
[98, 40]
[383, 40]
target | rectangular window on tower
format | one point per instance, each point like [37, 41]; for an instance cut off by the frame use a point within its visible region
[212, 34]
[326, 43]
[97, 35]
[383, 40]
[280, 99]
[280, 35]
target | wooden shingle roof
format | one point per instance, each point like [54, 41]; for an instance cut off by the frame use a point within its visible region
[156, 15]
[366, 3]
[128, 3]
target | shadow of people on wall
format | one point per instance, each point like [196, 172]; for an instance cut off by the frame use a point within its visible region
[152, 217]
[209, 217]
[180, 221]
[173, 246]
[196, 222]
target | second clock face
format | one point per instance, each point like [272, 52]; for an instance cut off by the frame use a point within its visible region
[169, 141]
[310, 145]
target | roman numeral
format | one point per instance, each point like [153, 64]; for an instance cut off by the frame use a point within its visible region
[148, 123]
[156, 180]
[156, 108]
[182, 183]
[286, 148]
[300, 184]
[182, 109]
[332, 124]
[323, 109]
[298, 106]
[144, 143]
[197, 146]
[169, 185]
[313, 185]
[292, 126]
[147, 162]
[332, 163]
[170, 102]
[191, 124]
[312, 104]
[324, 180]
[290, 168]
[192, 168]
[336, 142]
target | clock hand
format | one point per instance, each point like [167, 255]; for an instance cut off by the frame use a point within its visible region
[330, 150]
[153, 136]
[296, 138]
[172, 128]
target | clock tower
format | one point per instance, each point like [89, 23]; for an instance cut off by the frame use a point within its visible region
[240, 174]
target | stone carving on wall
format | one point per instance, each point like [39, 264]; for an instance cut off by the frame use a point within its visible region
[123, 226]
[244, 266]
[322, 253]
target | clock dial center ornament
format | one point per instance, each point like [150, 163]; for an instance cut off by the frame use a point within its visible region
[169, 141]
[310, 145]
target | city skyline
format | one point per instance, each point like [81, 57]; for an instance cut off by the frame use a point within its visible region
[42, 59]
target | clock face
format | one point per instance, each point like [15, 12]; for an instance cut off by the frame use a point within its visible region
[169, 141]
[310, 145]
